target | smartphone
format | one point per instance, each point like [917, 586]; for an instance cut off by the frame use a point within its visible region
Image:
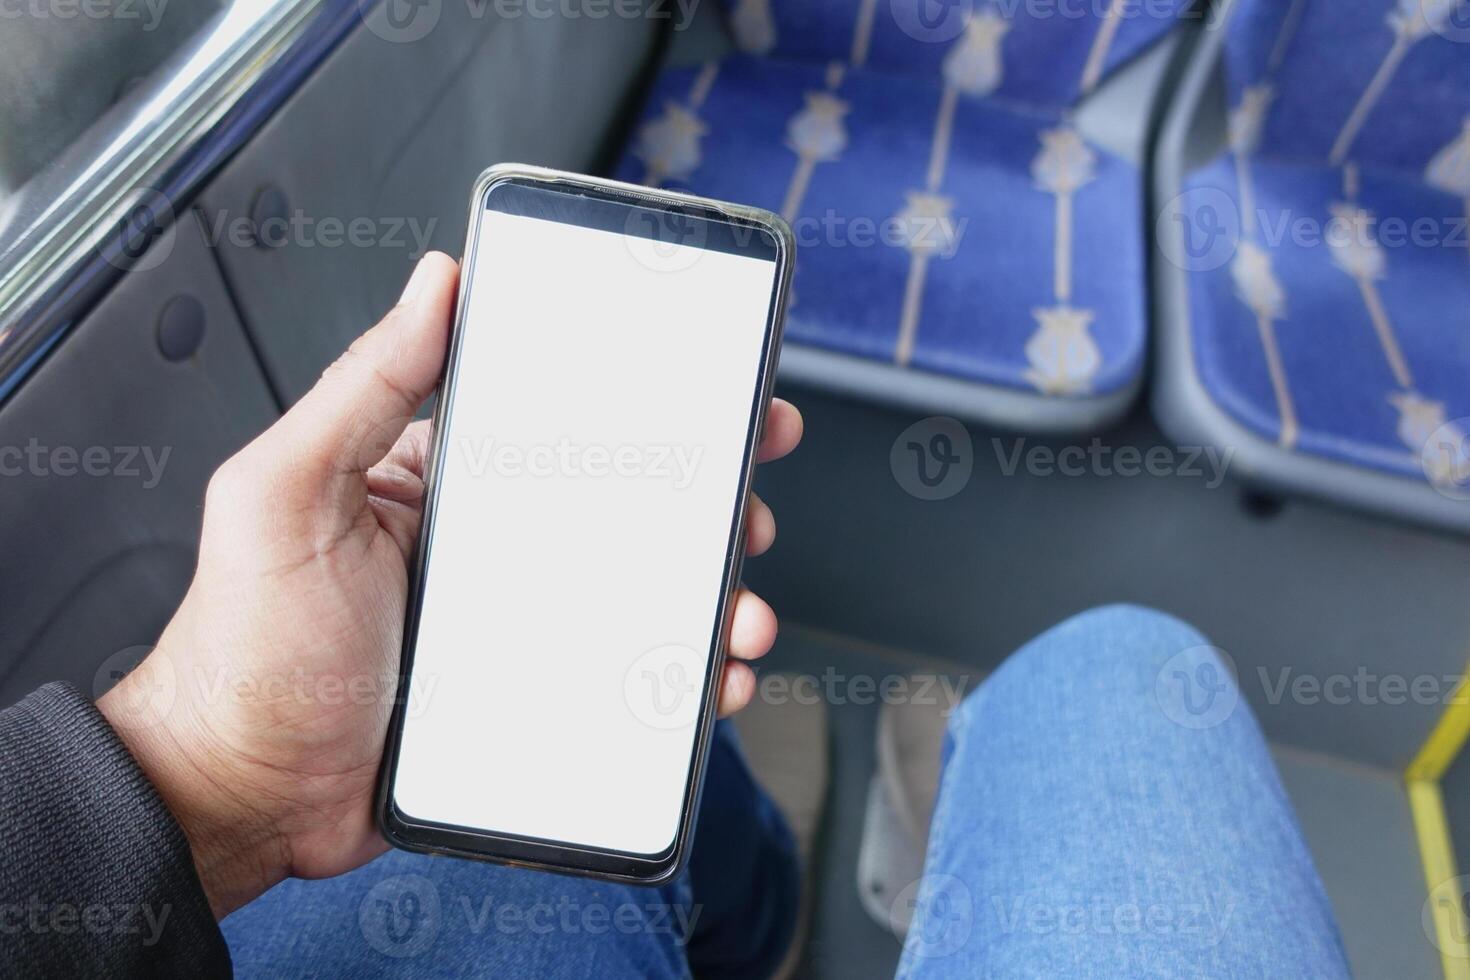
[609, 373]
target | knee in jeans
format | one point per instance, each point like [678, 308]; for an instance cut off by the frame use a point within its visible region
[1116, 642]
[1115, 648]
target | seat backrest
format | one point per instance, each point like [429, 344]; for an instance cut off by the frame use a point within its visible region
[1038, 52]
[1384, 84]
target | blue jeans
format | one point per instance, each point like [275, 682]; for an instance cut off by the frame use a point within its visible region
[1108, 809]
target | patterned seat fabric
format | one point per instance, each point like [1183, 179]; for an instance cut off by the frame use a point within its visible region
[1042, 53]
[1340, 326]
[948, 217]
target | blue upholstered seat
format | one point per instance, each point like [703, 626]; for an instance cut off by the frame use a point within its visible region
[1340, 325]
[949, 218]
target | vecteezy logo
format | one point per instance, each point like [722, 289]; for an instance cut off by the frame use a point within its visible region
[941, 450]
[400, 21]
[146, 704]
[1199, 230]
[933, 458]
[1445, 457]
[141, 233]
[934, 21]
[665, 241]
[662, 687]
[937, 912]
[1446, 917]
[1196, 687]
[400, 916]
[1450, 19]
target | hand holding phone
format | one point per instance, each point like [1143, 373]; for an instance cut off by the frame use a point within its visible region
[259, 716]
[608, 380]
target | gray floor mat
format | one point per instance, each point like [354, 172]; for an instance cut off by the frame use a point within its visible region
[1357, 822]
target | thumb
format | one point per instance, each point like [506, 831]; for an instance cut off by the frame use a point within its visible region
[360, 406]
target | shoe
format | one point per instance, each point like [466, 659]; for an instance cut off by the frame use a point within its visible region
[900, 805]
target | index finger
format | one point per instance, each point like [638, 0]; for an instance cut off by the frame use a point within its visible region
[783, 431]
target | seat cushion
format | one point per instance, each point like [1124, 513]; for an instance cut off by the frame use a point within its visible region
[1010, 255]
[1050, 52]
[1364, 291]
[1383, 83]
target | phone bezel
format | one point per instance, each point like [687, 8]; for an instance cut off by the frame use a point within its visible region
[404, 831]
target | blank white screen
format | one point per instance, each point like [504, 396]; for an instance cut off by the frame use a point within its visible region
[555, 589]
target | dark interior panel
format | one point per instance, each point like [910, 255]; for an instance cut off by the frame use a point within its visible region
[387, 138]
[105, 452]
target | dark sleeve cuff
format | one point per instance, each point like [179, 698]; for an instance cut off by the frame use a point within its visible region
[96, 877]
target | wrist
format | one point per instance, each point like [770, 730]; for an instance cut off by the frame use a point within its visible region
[234, 840]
